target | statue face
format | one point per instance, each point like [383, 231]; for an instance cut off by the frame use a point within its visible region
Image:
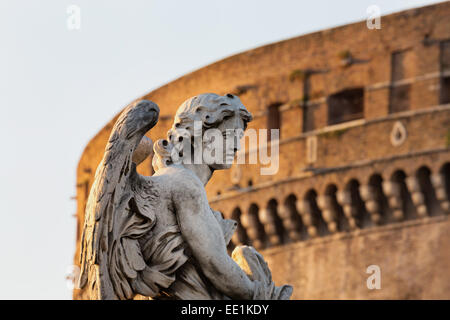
[232, 129]
[211, 126]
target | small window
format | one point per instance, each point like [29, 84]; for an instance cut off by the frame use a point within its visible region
[445, 71]
[445, 90]
[445, 56]
[345, 106]
[399, 95]
[273, 118]
[399, 98]
[398, 65]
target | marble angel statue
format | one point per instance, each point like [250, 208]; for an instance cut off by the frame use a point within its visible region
[157, 237]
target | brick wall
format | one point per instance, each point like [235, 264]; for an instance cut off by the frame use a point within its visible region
[280, 72]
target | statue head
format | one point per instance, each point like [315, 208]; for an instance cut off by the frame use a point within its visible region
[197, 124]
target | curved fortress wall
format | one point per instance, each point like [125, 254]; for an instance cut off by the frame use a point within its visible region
[364, 171]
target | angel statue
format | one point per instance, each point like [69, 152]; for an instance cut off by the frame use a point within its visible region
[156, 237]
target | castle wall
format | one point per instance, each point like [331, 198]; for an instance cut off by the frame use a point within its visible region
[413, 258]
[331, 176]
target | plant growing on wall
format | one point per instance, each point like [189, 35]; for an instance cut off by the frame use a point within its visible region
[346, 57]
[297, 74]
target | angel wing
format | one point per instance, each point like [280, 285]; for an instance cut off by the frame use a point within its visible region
[119, 213]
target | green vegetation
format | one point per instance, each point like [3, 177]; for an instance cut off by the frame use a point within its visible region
[297, 74]
[333, 134]
[345, 54]
[298, 102]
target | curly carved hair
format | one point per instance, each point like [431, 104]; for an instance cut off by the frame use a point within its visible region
[209, 108]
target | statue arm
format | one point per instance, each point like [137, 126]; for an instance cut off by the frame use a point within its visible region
[203, 234]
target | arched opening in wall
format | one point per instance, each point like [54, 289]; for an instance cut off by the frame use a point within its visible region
[358, 209]
[345, 106]
[445, 171]
[240, 236]
[275, 227]
[250, 183]
[431, 202]
[273, 120]
[378, 203]
[255, 232]
[409, 210]
[316, 214]
[297, 229]
[340, 219]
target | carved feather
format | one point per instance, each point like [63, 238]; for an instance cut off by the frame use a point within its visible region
[119, 212]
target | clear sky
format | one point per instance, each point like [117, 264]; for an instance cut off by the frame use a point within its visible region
[58, 87]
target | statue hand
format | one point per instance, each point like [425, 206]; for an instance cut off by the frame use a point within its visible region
[253, 264]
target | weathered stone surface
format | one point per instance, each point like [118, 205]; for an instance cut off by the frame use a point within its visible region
[157, 236]
[414, 259]
[360, 151]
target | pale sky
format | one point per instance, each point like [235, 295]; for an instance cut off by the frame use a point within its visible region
[59, 87]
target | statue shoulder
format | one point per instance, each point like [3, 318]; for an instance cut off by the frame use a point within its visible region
[177, 176]
[181, 184]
